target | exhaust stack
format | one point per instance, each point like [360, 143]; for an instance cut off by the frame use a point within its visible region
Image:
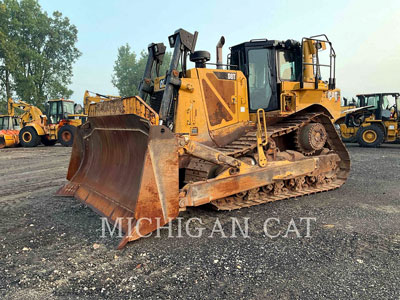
[220, 44]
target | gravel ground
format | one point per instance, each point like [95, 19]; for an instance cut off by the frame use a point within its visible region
[51, 247]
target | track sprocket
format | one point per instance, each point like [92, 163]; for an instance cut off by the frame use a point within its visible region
[310, 138]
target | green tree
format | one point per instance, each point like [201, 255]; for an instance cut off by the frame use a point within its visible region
[129, 70]
[8, 47]
[126, 73]
[37, 52]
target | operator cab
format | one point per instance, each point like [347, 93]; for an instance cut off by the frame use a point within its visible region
[59, 109]
[268, 63]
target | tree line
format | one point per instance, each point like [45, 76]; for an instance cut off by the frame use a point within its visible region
[37, 52]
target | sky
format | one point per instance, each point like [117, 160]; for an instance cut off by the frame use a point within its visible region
[365, 34]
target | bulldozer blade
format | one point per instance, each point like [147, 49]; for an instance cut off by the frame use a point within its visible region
[68, 190]
[127, 171]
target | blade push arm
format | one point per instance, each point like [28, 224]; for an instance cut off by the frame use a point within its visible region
[183, 42]
[155, 59]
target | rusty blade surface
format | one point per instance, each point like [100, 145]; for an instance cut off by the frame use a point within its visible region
[125, 170]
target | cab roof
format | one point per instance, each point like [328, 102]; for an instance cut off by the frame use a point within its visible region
[377, 94]
[64, 100]
[268, 43]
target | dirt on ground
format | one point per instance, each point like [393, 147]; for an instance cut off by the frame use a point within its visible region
[52, 247]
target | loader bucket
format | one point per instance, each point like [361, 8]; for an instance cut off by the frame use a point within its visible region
[126, 170]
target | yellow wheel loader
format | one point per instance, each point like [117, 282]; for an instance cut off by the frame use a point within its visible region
[57, 125]
[374, 120]
[255, 130]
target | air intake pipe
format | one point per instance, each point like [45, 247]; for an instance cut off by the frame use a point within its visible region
[220, 44]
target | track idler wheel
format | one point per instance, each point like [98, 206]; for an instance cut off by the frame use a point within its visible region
[311, 138]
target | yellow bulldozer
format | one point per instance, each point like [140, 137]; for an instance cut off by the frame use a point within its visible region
[255, 130]
[373, 120]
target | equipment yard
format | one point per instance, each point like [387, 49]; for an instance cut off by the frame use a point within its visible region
[51, 247]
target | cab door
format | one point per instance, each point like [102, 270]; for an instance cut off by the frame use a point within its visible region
[262, 79]
[54, 112]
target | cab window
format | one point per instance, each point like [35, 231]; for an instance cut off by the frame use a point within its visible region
[372, 100]
[16, 124]
[53, 108]
[388, 106]
[288, 66]
[68, 108]
[53, 112]
[385, 102]
[260, 82]
[60, 110]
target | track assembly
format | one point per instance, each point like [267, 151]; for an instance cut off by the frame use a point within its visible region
[315, 136]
